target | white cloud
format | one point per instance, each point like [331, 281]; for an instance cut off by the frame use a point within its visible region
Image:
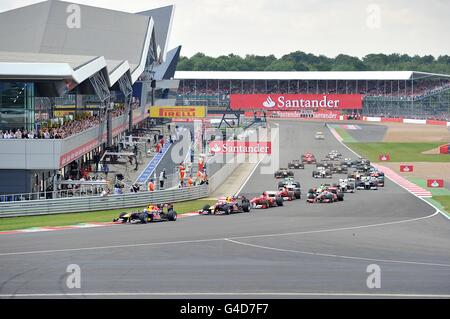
[327, 27]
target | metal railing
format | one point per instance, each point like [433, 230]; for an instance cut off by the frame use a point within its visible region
[90, 204]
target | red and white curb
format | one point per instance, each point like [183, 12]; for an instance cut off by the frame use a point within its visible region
[80, 226]
[413, 188]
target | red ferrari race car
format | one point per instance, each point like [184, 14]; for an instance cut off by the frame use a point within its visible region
[309, 158]
[267, 199]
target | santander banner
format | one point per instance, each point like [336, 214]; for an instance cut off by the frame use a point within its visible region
[292, 102]
[240, 147]
[406, 168]
[435, 183]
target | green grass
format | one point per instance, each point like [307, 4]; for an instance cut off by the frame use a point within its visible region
[400, 152]
[346, 137]
[15, 223]
[444, 202]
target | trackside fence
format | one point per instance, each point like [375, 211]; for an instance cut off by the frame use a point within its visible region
[87, 204]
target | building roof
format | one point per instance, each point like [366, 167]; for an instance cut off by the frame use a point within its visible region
[166, 70]
[37, 38]
[307, 75]
[163, 18]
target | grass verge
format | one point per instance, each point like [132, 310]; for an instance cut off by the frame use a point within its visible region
[444, 201]
[400, 152]
[15, 223]
[346, 137]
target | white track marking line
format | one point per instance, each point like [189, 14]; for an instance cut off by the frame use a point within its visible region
[336, 229]
[338, 256]
[253, 170]
[258, 293]
[249, 177]
[212, 239]
[111, 247]
[422, 199]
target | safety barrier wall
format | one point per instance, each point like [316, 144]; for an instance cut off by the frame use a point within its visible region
[85, 204]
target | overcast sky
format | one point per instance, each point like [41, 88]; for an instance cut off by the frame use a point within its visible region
[329, 27]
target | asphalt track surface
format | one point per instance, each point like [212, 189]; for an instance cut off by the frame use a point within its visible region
[297, 251]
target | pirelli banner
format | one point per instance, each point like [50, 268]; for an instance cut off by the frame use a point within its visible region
[294, 102]
[178, 112]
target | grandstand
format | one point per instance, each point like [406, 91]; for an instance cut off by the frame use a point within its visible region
[385, 93]
[68, 94]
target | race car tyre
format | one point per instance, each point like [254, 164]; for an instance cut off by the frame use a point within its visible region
[143, 218]
[279, 201]
[172, 216]
[227, 210]
[298, 194]
[340, 197]
[206, 209]
[246, 207]
[121, 216]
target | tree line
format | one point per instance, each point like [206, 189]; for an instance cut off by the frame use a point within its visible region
[301, 61]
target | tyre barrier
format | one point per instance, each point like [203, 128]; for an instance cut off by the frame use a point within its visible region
[91, 204]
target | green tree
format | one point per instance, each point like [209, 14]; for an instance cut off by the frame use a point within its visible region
[301, 61]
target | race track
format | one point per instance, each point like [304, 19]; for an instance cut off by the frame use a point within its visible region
[299, 250]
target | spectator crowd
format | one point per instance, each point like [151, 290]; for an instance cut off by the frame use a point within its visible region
[67, 129]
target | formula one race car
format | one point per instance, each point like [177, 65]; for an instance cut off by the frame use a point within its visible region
[288, 181]
[309, 158]
[228, 205]
[347, 185]
[322, 173]
[267, 199]
[324, 164]
[283, 173]
[325, 194]
[296, 164]
[379, 175]
[339, 169]
[160, 212]
[322, 197]
[356, 175]
[367, 183]
[289, 192]
[319, 136]
[333, 155]
[361, 165]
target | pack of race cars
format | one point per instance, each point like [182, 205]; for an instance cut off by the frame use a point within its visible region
[361, 175]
